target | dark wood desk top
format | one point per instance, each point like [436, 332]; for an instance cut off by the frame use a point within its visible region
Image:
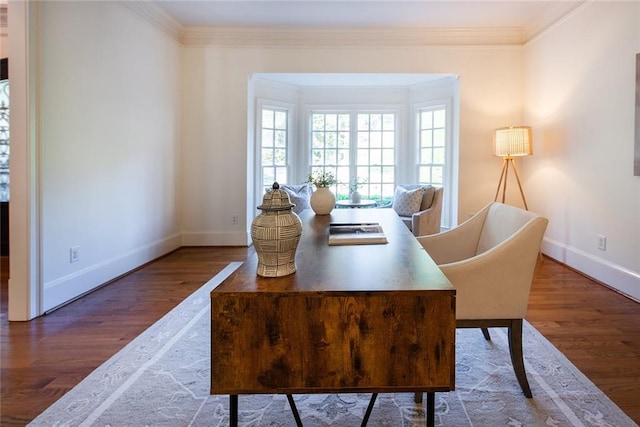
[402, 264]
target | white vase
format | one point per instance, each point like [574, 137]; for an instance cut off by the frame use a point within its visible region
[355, 197]
[322, 201]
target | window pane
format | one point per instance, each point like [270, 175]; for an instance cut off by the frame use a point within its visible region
[438, 119]
[389, 122]
[375, 121]
[375, 174]
[375, 139]
[330, 157]
[318, 139]
[387, 191]
[267, 119]
[281, 120]
[437, 175]
[280, 157]
[317, 157]
[343, 139]
[363, 122]
[267, 156]
[331, 140]
[342, 174]
[281, 175]
[268, 176]
[438, 155]
[281, 138]
[363, 140]
[375, 157]
[426, 138]
[343, 157]
[317, 121]
[438, 137]
[426, 119]
[388, 174]
[425, 174]
[388, 157]
[344, 122]
[425, 155]
[388, 140]
[363, 157]
[267, 138]
[331, 122]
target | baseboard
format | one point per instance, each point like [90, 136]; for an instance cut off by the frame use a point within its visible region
[231, 238]
[616, 277]
[72, 286]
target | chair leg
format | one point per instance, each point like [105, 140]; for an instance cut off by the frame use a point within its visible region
[515, 349]
[485, 332]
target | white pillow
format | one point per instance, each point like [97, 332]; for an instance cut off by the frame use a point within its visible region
[407, 202]
[299, 196]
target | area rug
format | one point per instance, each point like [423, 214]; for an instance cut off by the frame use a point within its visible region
[162, 379]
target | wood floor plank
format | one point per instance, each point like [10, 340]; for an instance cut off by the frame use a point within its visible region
[595, 327]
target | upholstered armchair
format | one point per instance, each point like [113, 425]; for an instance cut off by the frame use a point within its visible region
[419, 207]
[490, 260]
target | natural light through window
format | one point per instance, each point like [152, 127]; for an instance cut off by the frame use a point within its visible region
[274, 138]
[432, 142]
[364, 158]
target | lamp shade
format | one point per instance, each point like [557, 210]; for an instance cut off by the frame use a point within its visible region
[513, 141]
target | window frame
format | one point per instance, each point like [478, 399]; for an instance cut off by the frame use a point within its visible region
[291, 144]
[399, 112]
[449, 178]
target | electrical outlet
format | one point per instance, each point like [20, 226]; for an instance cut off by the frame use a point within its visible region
[74, 254]
[602, 243]
[234, 219]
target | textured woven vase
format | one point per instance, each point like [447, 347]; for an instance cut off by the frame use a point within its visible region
[322, 201]
[275, 234]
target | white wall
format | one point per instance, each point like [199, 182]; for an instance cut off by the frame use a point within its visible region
[107, 103]
[580, 100]
[215, 132]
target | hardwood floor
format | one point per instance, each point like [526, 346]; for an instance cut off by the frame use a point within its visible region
[596, 328]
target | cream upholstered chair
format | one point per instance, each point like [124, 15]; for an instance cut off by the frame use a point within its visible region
[490, 260]
[419, 207]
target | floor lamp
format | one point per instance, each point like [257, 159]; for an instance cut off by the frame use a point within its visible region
[510, 142]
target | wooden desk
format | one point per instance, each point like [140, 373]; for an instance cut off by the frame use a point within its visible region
[370, 318]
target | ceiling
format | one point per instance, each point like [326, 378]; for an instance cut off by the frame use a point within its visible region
[366, 13]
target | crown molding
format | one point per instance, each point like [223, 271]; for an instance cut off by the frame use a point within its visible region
[549, 16]
[153, 14]
[349, 37]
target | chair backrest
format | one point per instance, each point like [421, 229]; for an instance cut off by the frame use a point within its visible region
[427, 196]
[501, 222]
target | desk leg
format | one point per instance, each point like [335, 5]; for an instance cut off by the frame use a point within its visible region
[367, 414]
[431, 409]
[294, 409]
[233, 410]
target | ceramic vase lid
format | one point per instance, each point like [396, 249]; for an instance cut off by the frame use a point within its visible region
[276, 200]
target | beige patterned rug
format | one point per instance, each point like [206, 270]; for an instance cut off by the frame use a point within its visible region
[162, 379]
